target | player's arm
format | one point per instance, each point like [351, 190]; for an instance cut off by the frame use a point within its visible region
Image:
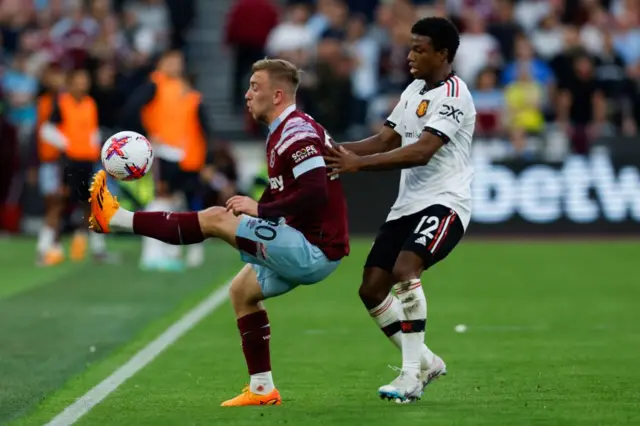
[49, 131]
[414, 155]
[437, 131]
[311, 190]
[386, 140]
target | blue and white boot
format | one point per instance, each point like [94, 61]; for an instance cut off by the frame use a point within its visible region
[407, 387]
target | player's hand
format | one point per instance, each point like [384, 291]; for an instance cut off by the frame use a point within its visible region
[240, 204]
[341, 160]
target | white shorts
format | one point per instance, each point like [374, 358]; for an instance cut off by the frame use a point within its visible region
[49, 178]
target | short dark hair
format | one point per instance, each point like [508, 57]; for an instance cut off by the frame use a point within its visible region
[442, 32]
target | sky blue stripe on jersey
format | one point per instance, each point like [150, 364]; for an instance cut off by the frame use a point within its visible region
[273, 126]
[307, 165]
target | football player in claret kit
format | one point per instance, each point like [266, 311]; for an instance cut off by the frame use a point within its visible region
[296, 234]
[428, 135]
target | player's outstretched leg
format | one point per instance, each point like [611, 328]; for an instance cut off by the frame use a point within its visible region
[169, 227]
[255, 331]
[388, 313]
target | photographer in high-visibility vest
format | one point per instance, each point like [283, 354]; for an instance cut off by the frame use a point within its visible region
[73, 128]
[48, 250]
[170, 113]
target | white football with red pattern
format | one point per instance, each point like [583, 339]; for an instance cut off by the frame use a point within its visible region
[127, 156]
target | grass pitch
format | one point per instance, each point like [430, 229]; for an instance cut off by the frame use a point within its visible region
[552, 338]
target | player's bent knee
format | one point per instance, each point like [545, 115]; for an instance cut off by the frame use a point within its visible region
[245, 285]
[373, 292]
[211, 220]
[245, 294]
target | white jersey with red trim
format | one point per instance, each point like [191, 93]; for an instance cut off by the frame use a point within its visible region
[446, 110]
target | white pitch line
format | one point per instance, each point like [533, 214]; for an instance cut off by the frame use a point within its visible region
[84, 404]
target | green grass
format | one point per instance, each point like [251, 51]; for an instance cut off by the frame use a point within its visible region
[78, 315]
[552, 338]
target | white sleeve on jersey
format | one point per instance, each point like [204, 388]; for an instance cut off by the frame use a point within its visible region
[395, 119]
[448, 116]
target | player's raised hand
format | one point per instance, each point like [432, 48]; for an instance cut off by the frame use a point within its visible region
[240, 204]
[341, 160]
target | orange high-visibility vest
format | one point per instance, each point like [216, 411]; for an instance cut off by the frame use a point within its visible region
[79, 125]
[46, 151]
[195, 148]
[162, 117]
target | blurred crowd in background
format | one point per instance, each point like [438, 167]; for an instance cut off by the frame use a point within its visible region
[120, 44]
[549, 77]
[116, 40]
[545, 74]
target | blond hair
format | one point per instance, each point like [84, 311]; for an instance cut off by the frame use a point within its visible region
[279, 70]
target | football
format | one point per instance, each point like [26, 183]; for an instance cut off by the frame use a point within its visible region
[127, 156]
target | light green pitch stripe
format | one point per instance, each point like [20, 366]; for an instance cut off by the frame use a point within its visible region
[18, 271]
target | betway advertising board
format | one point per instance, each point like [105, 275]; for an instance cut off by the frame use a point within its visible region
[594, 195]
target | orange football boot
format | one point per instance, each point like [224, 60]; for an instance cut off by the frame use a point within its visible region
[103, 204]
[51, 257]
[248, 398]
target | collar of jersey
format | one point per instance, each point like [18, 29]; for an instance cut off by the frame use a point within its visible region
[426, 87]
[273, 126]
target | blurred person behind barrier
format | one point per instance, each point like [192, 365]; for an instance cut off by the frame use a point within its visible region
[247, 28]
[490, 103]
[155, 110]
[48, 250]
[73, 127]
[293, 34]
[523, 113]
[198, 141]
[333, 89]
[582, 105]
[478, 49]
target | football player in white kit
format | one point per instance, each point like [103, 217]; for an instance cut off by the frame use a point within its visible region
[428, 135]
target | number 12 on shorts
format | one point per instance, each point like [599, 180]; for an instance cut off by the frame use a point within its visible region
[431, 232]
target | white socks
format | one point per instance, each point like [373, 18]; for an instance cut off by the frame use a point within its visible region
[122, 220]
[389, 315]
[261, 383]
[414, 306]
[46, 238]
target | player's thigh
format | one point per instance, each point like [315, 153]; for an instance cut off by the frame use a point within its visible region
[282, 249]
[438, 230]
[387, 245]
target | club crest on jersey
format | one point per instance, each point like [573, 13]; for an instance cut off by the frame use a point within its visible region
[422, 108]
